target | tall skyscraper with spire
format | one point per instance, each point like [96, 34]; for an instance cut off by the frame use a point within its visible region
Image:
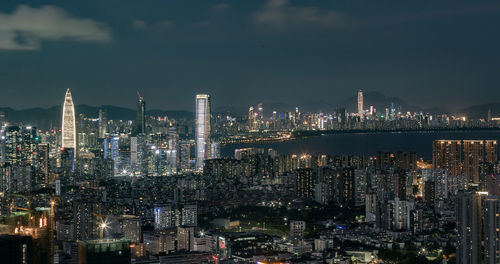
[141, 118]
[68, 123]
[360, 104]
[202, 129]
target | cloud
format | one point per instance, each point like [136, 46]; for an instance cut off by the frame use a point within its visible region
[27, 27]
[167, 23]
[139, 23]
[219, 7]
[279, 13]
[454, 11]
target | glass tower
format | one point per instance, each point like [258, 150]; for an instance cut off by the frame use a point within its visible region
[202, 129]
[360, 104]
[141, 111]
[68, 122]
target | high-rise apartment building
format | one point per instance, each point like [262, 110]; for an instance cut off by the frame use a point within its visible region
[130, 226]
[305, 183]
[190, 215]
[473, 154]
[469, 227]
[491, 229]
[447, 154]
[463, 156]
[164, 217]
[297, 229]
[85, 220]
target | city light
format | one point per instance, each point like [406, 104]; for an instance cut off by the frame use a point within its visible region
[266, 132]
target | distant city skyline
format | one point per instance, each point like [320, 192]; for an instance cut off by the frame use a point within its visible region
[321, 104]
[265, 131]
[248, 52]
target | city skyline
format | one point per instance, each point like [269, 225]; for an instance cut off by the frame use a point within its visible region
[265, 131]
[351, 103]
[158, 50]
[135, 190]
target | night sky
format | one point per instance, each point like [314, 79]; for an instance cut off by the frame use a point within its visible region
[428, 53]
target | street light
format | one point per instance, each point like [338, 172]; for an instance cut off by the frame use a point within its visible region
[102, 227]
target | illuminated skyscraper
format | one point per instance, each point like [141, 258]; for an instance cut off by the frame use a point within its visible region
[305, 183]
[68, 122]
[202, 129]
[469, 227]
[360, 104]
[185, 155]
[491, 151]
[164, 217]
[491, 220]
[463, 156]
[447, 154]
[13, 145]
[103, 123]
[141, 111]
[137, 154]
[43, 163]
[111, 151]
[473, 154]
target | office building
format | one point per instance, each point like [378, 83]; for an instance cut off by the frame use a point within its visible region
[140, 126]
[360, 104]
[68, 123]
[103, 123]
[203, 117]
[185, 155]
[13, 145]
[105, 251]
[112, 151]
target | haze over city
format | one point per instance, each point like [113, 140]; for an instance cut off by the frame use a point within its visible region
[249, 132]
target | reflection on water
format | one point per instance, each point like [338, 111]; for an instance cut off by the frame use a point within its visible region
[365, 143]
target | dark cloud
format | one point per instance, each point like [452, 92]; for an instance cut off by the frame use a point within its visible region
[139, 23]
[27, 27]
[219, 7]
[438, 53]
[281, 13]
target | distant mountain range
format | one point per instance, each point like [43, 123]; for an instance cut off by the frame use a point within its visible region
[372, 98]
[481, 110]
[51, 117]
